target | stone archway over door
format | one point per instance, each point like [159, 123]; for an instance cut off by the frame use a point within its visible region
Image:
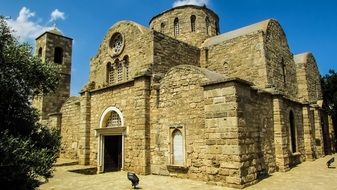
[110, 135]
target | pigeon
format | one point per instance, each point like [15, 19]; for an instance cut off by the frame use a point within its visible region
[133, 178]
[329, 162]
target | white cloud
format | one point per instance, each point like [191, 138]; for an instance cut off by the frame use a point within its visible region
[27, 27]
[56, 14]
[190, 2]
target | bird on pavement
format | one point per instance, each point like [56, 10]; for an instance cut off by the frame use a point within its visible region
[329, 162]
[133, 178]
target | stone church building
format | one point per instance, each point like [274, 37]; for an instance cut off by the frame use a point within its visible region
[181, 99]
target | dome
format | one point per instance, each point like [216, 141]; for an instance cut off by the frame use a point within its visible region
[189, 23]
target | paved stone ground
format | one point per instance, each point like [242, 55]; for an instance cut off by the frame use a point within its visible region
[308, 175]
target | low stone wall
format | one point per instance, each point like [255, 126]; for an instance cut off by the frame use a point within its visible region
[70, 128]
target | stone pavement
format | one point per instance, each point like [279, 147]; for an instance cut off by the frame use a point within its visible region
[308, 175]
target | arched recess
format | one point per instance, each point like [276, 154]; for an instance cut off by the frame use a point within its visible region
[40, 52]
[193, 18]
[58, 55]
[110, 135]
[207, 23]
[162, 27]
[110, 73]
[177, 147]
[126, 67]
[176, 26]
[106, 114]
[292, 132]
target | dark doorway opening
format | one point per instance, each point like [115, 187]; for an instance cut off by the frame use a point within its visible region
[112, 153]
[292, 132]
[325, 134]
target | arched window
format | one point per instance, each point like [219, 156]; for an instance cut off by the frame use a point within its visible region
[110, 73]
[177, 147]
[114, 120]
[126, 67]
[111, 117]
[217, 27]
[58, 55]
[206, 55]
[292, 131]
[162, 27]
[176, 26]
[119, 72]
[207, 25]
[40, 52]
[193, 23]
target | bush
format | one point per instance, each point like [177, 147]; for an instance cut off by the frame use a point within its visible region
[27, 149]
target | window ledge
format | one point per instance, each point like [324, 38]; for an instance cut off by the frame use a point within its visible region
[177, 168]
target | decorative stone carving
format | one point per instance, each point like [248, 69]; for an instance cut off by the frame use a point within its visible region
[116, 44]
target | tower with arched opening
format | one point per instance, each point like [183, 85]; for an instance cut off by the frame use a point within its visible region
[54, 48]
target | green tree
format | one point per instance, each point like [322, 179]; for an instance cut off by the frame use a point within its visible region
[27, 149]
[329, 88]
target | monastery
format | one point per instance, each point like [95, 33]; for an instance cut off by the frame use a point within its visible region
[178, 98]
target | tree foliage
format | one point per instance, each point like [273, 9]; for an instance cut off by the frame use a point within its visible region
[27, 149]
[329, 87]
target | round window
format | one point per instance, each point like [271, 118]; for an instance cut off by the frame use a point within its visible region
[116, 44]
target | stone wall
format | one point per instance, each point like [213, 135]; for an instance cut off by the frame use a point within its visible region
[164, 23]
[180, 105]
[223, 164]
[281, 69]
[138, 46]
[230, 144]
[47, 42]
[299, 155]
[332, 134]
[317, 122]
[51, 103]
[169, 52]
[308, 78]
[84, 128]
[70, 128]
[285, 157]
[241, 57]
[131, 99]
[256, 133]
[309, 133]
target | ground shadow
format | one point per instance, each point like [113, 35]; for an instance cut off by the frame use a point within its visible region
[86, 171]
[332, 167]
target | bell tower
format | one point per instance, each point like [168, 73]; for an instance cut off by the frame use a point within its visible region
[54, 48]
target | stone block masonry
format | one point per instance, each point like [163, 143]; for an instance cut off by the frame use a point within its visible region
[179, 99]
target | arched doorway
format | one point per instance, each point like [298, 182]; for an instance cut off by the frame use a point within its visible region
[111, 140]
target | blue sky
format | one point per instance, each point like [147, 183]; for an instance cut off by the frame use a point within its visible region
[310, 25]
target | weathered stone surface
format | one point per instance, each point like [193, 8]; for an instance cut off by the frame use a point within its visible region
[46, 45]
[164, 23]
[227, 109]
[70, 128]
